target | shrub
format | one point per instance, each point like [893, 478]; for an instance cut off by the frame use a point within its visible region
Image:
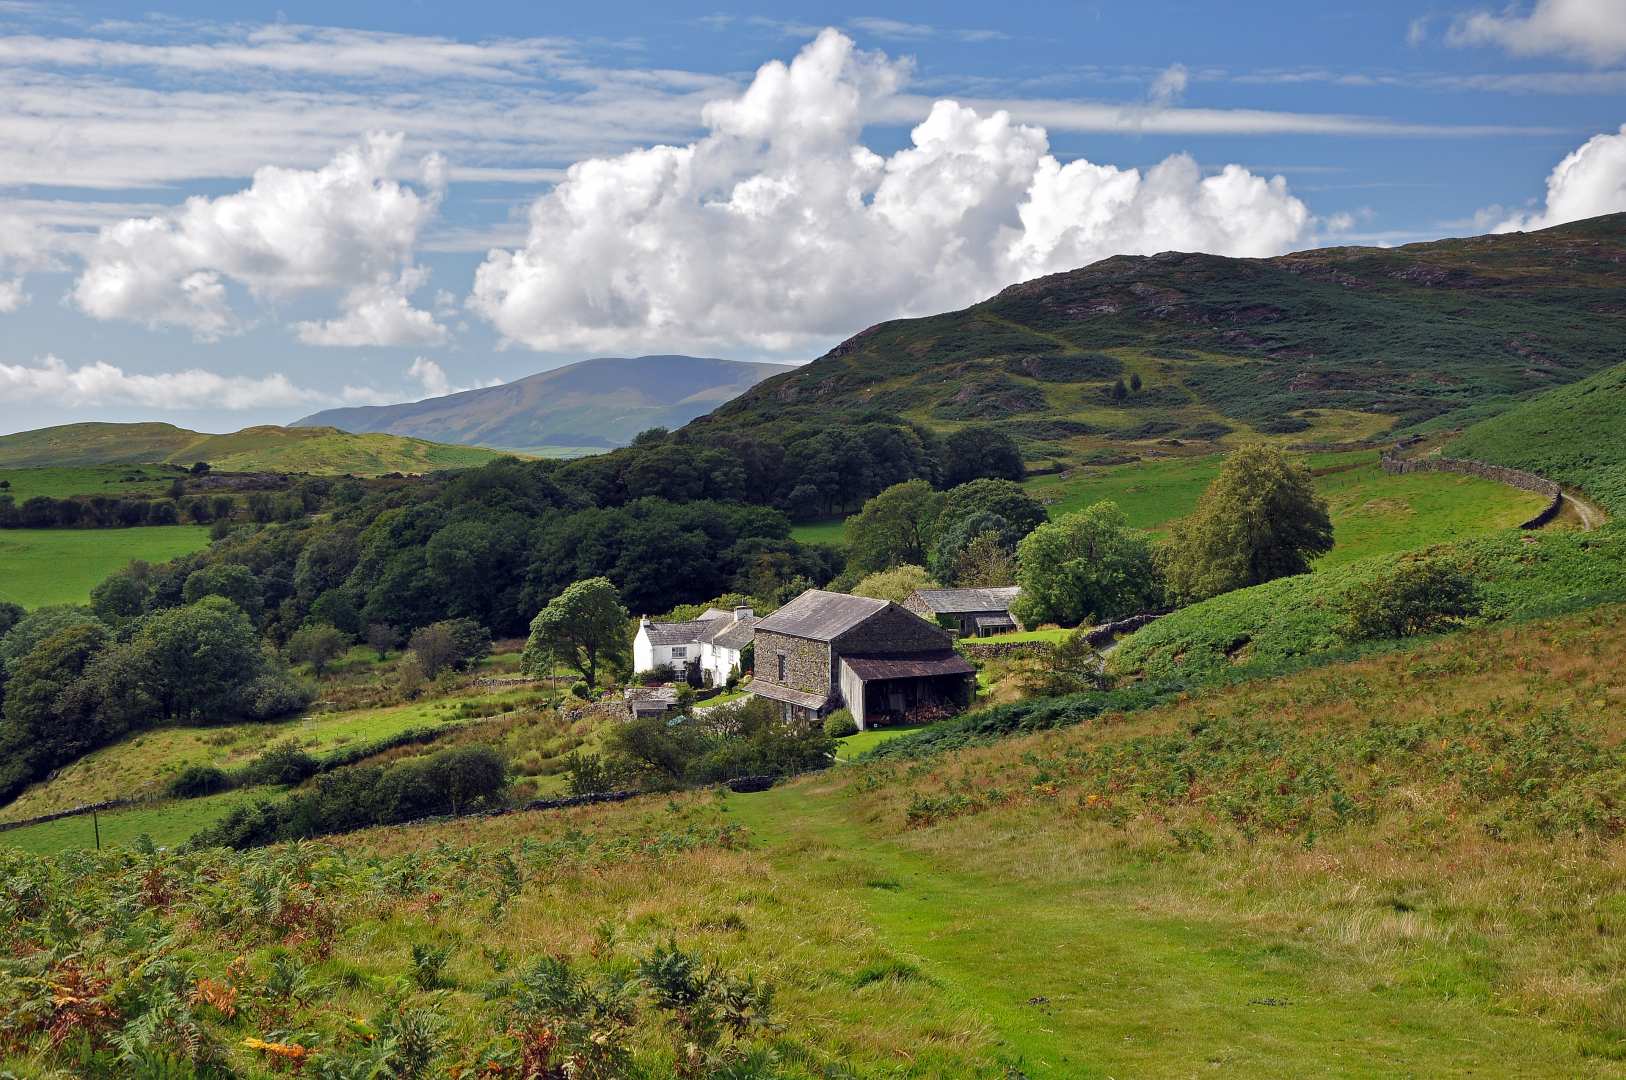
[1416, 596]
[195, 781]
[840, 724]
[1074, 667]
[276, 692]
[284, 764]
[453, 781]
[581, 690]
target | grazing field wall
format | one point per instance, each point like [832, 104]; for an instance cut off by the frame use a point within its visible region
[1524, 481]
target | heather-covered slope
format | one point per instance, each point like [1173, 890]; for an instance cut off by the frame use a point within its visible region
[596, 403]
[1337, 343]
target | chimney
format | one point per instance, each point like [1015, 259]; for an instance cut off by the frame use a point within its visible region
[643, 620]
[742, 613]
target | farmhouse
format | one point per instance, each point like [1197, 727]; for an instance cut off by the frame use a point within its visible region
[708, 648]
[824, 650]
[968, 612]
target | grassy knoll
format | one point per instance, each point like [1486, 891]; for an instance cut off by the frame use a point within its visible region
[141, 764]
[1346, 872]
[1572, 435]
[257, 449]
[61, 566]
[1296, 617]
[111, 480]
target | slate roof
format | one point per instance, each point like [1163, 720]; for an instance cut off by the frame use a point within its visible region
[677, 633]
[734, 634]
[776, 692]
[871, 668]
[966, 601]
[994, 621]
[820, 616]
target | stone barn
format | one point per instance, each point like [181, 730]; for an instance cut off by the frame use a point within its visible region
[968, 612]
[824, 651]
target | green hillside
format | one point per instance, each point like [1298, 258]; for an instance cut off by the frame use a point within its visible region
[268, 448]
[1329, 873]
[1337, 344]
[1575, 435]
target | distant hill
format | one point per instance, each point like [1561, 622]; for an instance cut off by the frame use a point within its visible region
[257, 449]
[1575, 435]
[599, 403]
[1329, 345]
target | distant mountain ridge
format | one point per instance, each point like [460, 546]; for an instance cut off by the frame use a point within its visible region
[600, 403]
[268, 448]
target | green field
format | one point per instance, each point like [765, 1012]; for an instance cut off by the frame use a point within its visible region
[61, 566]
[1373, 513]
[110, 480]
[832, 531]
[139, 765]
[168, 824]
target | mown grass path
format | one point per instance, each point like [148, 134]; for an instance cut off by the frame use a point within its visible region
[1078, 977]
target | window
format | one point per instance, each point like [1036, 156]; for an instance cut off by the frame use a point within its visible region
[781, 667]
[680, 652]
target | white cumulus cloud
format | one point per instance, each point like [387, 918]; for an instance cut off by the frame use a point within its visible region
[12, 296]
[1588, 182]
[290, 231]
[101, 383]
[53, 381]
[436, 383]
[1594, 30]
[378, 314]
[780, 227]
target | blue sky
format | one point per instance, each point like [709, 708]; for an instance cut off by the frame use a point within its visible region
[223, 216]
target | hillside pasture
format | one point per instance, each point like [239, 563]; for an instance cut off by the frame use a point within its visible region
[139, 765]
[1372, 512]
[109, 480]
[167, 824]
[61, 566]
[1328, 874]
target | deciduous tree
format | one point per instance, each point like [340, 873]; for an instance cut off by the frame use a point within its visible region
[584, 626]
[1259, 520]
[894, 528]
[1086, 565]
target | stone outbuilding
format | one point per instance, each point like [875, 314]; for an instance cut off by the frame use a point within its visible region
[824, 651]
[968, 612]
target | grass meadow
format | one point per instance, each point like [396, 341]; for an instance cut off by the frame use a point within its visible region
[1345, 872]
[167, 824]
[61, 566]
[110, 480]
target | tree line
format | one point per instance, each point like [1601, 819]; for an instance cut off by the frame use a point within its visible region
[1260, 519]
